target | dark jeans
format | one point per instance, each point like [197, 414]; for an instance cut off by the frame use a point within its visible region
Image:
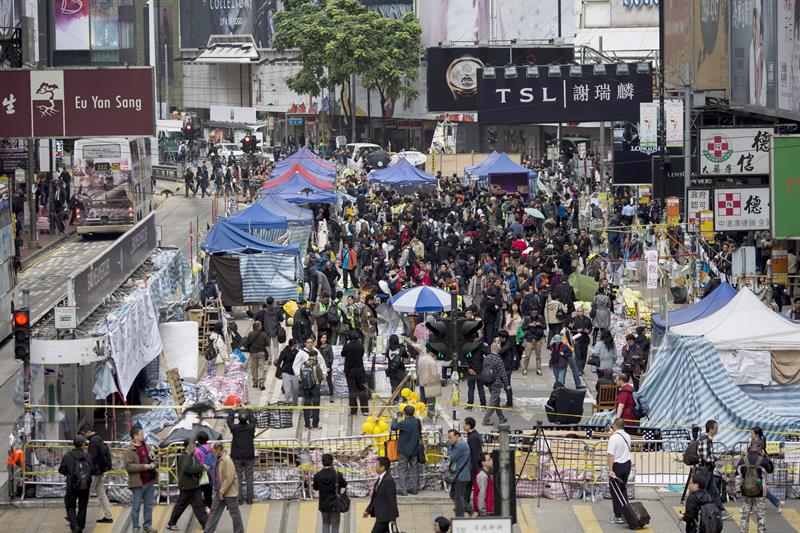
[622, 470]
[216, 513]
[713, 491]
[208, 493]
[76, 501]
[581, 349]
[430, 402]
[380, 527]
[186, 498]
[458, 493]
[244, 474]
[352, 275]
[473, 384]
[311, 398]
[357, 396]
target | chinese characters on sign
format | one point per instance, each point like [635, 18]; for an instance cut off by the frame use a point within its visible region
[697, 201]
[735, 151]
[745, 209]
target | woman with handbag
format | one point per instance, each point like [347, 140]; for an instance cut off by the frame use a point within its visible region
[333, 499]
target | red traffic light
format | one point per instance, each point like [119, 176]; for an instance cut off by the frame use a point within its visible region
[246, 139]
[188, 127]
[21, 318]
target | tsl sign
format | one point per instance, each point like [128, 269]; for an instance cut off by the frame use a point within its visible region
[107, 102]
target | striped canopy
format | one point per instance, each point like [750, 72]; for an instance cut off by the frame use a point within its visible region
[421, 300]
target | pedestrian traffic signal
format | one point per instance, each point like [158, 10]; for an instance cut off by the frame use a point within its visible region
[467, 341]
[249, 144]
[22, 334]
[188, 131]
[439, 339]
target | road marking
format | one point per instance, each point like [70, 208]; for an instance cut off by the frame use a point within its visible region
[108, 528]
[585, 516]
[737, 517]
[526, 521]
[307, 517]
[257, 518]
[363, 525]
[792, 518]
[160, 516]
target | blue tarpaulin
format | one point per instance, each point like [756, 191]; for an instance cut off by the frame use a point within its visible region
[502, 164]
[257, 217]
[226, 239]
[296, 189]
[402, 173]
[292, 213]
[712, 303]
[486, 163]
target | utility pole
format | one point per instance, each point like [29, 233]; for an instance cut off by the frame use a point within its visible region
[505, 469]
[662, 124]
[687, 131]
[454, 350]
[33, 235]
[353, 108]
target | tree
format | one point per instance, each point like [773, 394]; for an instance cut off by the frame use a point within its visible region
[392, 59]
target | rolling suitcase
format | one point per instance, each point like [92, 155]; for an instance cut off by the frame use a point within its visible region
[634, 513]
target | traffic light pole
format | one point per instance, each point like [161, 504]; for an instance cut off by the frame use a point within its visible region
[26, 379]
[454, 349]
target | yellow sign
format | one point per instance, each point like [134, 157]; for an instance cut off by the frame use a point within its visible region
[645, 191]
[707, 225]
[780, 267]
[673, 210]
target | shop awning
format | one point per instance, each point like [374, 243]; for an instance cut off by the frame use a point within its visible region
[229, 49]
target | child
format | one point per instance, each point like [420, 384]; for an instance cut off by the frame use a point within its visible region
[697, 498]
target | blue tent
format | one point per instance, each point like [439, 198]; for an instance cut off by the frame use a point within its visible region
[712, 303]
[476, 170]
[226, 239]
[402, 173]
[257, 217]
[296, 189]
[294, 214]
[316, 167]
[502, 164]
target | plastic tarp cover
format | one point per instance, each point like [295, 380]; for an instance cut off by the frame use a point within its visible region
[747, 367]
[225, 271]
[135, 341]
[712, 303]
[265, 275]
[585, 287]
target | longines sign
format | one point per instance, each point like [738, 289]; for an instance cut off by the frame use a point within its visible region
[544, 96]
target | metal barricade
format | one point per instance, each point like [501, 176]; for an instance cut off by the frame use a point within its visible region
[354, 457]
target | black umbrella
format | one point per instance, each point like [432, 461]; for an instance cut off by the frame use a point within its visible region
[180, 434]
[379, 159]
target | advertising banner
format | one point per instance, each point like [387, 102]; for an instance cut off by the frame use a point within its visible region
[566, 98]
[648, 123]
[677, 41]
[72, 24]
[697, 201]
[743, 209]
[735, 151]
[77, 103]
[673, 210]
[789, 57]
[711, 59]
[452, 73]
[780, 266]
[460, 21]
[634, 13]
[753, 55]
[786, 187]
[634, 162]
[707, 225]
[203, 18]
[224, 113]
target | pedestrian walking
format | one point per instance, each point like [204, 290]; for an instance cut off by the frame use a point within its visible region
[271, 318]
[430, 381]
[256, 343]
[751, 473]
[395, 367]
[329, 483]
[581, 329]
[310, 373]
[325, 351]
[475, 443]
[100, 457]
[205, 457]
[698, 497]
[708, 462]
[383, 502]
[459, 456]
[483, 490]
[140, 464]
[533, 340]
[619, 468]
[285, 372]
[409, 440]
[495, 378]
[76, 467]
[190, 471]
[242, 425]
[356, 374]
[227, 491]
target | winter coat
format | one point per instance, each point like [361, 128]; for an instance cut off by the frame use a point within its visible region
[227, 481]
[601, 307]
[135, 467]
[69, 464]
[607, 357]
[428, 375]
[221, 348]
[301, 328]
[255, 342]
[242, 448]
[551, 311]
[189, 472]
[271, 318]
[325, 482]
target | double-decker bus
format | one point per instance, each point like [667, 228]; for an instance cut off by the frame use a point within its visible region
[113, 187]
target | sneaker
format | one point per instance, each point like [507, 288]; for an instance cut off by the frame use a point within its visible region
[525, 372]
[581, 386]
[538, 372]
[249, 502]
[616, 520]
[317, 427]
[780, 506]
[487, 423]
[332, 400]
[105, 520]
[503, 421]
[172, 527]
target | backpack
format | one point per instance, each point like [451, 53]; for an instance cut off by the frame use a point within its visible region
[640, 409]
[308, 376]
[487, 376]
[709, 520]
[81, 479]
[752, 483]
[211, 352]
[691, 457]
[103, 456]
[333, 314]
[394, 362]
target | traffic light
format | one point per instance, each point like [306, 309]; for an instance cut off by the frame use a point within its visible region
[439, 340]
[188, 131]
[467, 340]
[249, 144]
[22, 334]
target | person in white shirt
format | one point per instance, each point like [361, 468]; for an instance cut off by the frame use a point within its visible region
[619, 468]
[302, 357]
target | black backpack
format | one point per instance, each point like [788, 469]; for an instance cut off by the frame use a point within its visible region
[488, 376]
[103, 456]
[211, 352]
[81, 479]
[308, 377]
[691, 457]
[709, 520]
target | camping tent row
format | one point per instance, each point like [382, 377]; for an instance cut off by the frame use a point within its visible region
[498, 169]
[302, 181]
[247, 269]
[403, 176]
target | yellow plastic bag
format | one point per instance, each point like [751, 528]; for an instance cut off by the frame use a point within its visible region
[290, 308]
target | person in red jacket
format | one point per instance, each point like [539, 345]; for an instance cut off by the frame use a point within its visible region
[625, 403]
[348, 262]
[483, 488]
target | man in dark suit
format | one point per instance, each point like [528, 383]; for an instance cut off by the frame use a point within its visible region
[383, 504]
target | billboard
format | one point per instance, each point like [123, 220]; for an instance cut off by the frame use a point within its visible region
[203, 18]
[71, 24]
[390, 9]
[753, 55]
[711, 60]
[634, 13]
[789, 56]
[77, 103]
[648, 123]
[567, 97]
[452, 73]
[677, 41]
[741, 209]
[735, 151]
[786, 187]
[461, 21]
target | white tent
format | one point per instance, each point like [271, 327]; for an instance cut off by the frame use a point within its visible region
[745, 324]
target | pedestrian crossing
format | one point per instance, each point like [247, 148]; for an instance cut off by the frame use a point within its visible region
[533, 516]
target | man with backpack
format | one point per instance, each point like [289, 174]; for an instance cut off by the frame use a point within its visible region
[256, 344]
[707, 460]
[701, 514]
[100, 459]
[750, 486]
[310, 370]
[494, 376]
[77, 468]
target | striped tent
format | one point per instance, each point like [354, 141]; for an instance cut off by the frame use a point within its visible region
[265, 275]
[704, 391]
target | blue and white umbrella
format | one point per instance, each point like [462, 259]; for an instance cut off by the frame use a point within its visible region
[421, 300]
